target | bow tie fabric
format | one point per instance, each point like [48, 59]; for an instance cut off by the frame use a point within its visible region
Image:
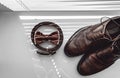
[53, 37]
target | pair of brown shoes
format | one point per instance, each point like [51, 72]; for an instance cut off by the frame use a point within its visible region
[99, 43]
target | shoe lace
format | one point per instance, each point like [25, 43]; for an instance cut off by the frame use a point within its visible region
[101, 20]
[99, 34]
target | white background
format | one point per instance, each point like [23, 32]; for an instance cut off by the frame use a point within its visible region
[18, 60]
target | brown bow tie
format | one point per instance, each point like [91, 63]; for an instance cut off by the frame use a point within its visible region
[40, 37]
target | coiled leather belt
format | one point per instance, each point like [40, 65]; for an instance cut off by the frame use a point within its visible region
[55, 38]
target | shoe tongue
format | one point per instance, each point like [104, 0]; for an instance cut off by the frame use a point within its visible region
[117, 46]
[112, 29]
[107, 34]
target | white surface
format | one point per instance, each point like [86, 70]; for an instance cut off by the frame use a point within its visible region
[15, 61]
[18, 58]
[59, 17]
[66, 66]
[66, 5]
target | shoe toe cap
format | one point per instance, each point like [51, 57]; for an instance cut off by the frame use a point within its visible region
[71, 50]
[83, 70]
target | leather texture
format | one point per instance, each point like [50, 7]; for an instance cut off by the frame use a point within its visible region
[81, 40]
[97, 60]
[56, 38]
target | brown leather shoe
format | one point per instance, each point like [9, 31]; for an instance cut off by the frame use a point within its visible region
[82, 39]
[96, 61]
